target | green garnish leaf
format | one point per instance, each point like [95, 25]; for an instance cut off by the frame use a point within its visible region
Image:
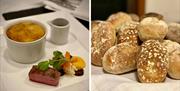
[44, 65]
[57, 55]
[57, 64]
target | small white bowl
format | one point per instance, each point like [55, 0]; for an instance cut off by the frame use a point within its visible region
[26, 52]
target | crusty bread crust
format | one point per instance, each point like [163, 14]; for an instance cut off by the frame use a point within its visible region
[103, 37]
[120, 58]
[118, 18]
[152, 62]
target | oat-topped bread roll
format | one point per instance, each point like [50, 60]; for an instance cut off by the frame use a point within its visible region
[152, 28]
[174, 32]
[174, 58]
[118, 18]
[152, 62]
[120, 58]
[103, 37]
[128, 33]
[135, 17]
[153, 14]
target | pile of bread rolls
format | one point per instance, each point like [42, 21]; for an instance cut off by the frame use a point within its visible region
[147, 44]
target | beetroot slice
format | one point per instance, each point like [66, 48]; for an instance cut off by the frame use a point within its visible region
[49, 77]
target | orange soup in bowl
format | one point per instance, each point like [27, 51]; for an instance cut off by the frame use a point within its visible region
[26, 31]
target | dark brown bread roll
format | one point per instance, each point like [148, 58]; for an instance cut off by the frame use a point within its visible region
[103, 37]
[152, 62]
[153, 14]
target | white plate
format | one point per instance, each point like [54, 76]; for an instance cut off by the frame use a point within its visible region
[127, 82]
[14, 76]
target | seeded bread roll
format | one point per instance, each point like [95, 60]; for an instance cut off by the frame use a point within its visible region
[118, 18]
[153, 14]
[135, 17]
[152, 62]
[103, 37]
[152, 28]
[120, 58]
[174, 58]
[128, 33]
[174, 32]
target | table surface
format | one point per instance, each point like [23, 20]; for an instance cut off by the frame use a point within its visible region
[7, 6]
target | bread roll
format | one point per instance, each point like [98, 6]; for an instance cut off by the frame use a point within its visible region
[135, 17]
[152, 62]
[95, 23]
[152, 28]
[170, 46]
[174, 64]
[118, 18]
[120, 58]
[153, 14]
[174, 32]
[103, 37]
[128, 33]
[174, 58]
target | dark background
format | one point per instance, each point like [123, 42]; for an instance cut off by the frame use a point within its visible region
[101, 9]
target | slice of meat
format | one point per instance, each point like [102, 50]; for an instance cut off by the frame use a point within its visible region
[50, 76]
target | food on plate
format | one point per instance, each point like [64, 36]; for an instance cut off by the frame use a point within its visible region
[26, 31]
[135, 17]
[49, 72]
[103, 37]
[174, 58]
[117, 19]
[153, 14]
[152, 28]
[50, 76]
[174, 32]
[152, 62]
[120, 58]
[128, 33]
[74, 66]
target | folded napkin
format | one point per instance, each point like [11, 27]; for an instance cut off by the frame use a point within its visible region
[108, 82]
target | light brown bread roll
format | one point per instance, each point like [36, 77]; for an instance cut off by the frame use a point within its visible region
[118, 18]
[152, 28]
[171, 46]
[174, 32]
[120, 58]
[135, 17]
[103, 37]
[174, 58]
[174, 65]
[152, 62]
[128, 33]
[95, 23]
